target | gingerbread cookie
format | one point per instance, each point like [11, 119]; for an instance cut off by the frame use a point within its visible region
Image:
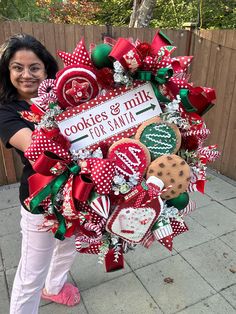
[159, 137]
[76, 84]
[172, 170]
[131, 157]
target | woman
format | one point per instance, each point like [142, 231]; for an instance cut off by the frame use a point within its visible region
[45, 261]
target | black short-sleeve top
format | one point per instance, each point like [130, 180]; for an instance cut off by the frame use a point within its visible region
[11, 121]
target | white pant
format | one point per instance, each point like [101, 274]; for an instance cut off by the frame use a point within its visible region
[44, 261]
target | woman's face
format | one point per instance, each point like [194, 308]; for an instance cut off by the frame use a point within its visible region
[27, 71]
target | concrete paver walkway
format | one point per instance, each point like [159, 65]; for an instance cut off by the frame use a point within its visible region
[202, 264]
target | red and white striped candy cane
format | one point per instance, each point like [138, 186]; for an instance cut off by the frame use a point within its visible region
[209, 152]
[201, 134]
[46, 87]
[188, 209]
[84, 239]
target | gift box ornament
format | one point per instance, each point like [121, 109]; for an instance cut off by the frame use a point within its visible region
[114, 262]
[197, 99]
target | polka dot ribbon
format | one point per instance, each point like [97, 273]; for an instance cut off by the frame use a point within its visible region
[79, 56]
[102, 173]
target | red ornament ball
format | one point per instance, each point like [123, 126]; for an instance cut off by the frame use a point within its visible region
[190, 143]
[144, 49]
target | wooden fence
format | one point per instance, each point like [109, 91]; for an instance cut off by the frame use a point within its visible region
[213, 66]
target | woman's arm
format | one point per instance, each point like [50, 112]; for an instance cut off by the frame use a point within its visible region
[21, 139]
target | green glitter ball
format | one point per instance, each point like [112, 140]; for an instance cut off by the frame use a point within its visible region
[100, 56]
[179, 202]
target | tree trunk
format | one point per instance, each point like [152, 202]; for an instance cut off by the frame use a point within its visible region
[142, 13]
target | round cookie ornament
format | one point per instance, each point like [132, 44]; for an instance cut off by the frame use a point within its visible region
[172, 170]
[131, 158]
[159, 137]
[76, 84]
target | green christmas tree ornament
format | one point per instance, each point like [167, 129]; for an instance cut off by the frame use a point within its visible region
[100, 56]
[179, 202]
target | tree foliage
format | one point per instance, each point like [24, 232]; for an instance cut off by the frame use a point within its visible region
[20, 10]
[204, 13]
[114, 12]
[138, 13]
[69, 11]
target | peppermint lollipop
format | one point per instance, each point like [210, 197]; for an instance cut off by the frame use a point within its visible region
[76, 84]
[46, 94]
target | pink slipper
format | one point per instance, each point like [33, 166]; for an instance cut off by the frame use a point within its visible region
[69, 295]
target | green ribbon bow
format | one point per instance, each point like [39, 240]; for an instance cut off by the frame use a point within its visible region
[184, 99]
[162, 77]
[52, 189]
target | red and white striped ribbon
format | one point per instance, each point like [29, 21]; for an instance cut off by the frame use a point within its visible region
[148, 240]
[163, 232]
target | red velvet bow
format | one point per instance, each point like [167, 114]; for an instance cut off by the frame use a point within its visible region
[201, 98]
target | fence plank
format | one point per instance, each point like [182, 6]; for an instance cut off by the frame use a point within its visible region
[70, 38]
[49, 33]
[2, 34]
[88, 35]
[38, 32]
[79, 32]
[27, 27]
[7, 29]
[59, 32]
[98, 33]
[133, 33]
[3, 177]
[8, 164]
[15, 27]
[218, 118]
[228, 164]
[202, 50]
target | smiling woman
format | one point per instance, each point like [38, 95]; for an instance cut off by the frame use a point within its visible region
[45, 261]
[27, 71]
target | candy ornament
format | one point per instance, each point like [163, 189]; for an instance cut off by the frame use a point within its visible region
[76, 85]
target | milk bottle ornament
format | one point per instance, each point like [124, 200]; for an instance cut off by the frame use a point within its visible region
[142, 206]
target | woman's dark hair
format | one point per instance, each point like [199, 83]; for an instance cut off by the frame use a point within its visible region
[20, 42]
